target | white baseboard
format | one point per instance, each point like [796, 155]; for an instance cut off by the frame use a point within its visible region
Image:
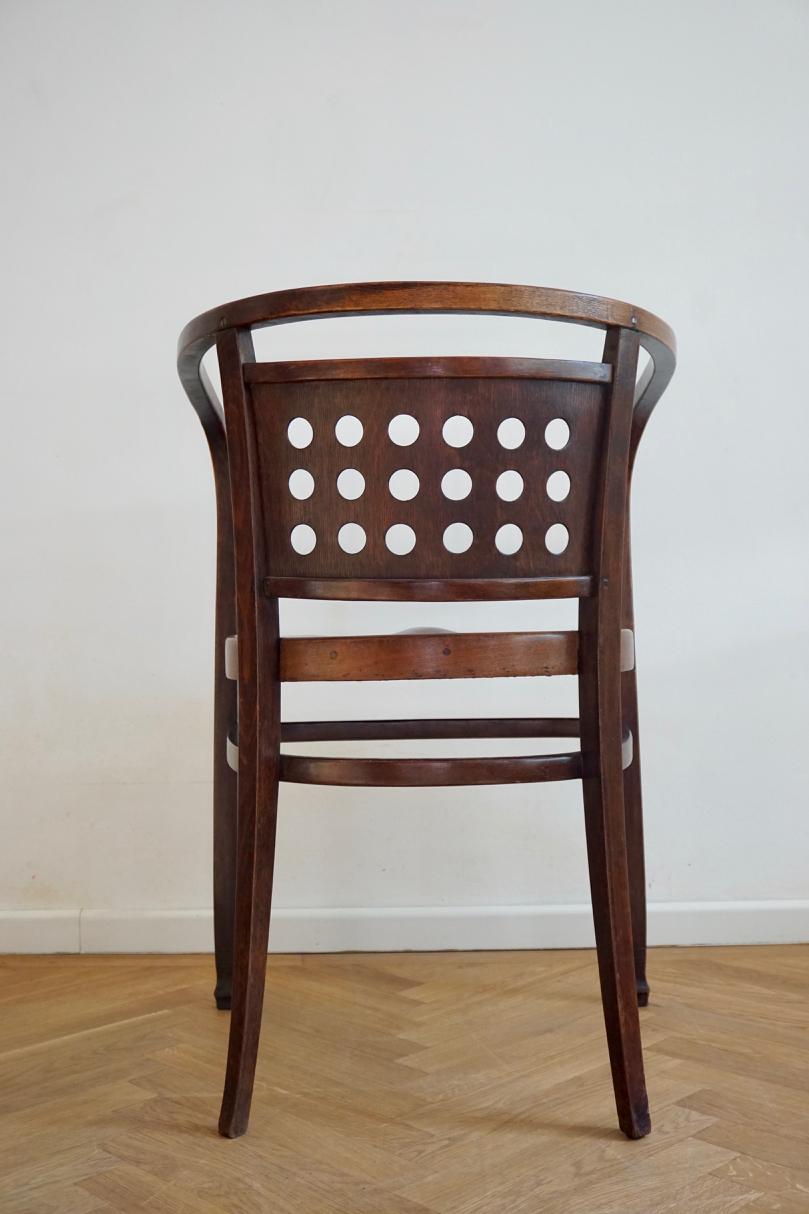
[398, 928]
[39, 931]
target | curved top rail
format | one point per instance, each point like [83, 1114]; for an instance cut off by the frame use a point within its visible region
[377, 298]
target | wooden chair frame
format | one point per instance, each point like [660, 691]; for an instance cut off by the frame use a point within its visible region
[248, 587]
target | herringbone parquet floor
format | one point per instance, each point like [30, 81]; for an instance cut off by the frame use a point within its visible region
[463, 1083]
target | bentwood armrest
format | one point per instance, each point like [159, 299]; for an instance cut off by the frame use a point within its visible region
[376, 299]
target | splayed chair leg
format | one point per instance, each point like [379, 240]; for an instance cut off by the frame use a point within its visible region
[602, 786]
[253, 901]
[633, 798]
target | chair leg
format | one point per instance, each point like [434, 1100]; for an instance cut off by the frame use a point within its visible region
[602, 785]
[254, 880]
[633, 800]
[609, 885]
[224, 866]
[224, 778]
[633, 817]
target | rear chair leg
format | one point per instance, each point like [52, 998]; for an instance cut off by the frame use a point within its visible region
[633, 816]
[224, 860]
[633, 801]
[225, 727]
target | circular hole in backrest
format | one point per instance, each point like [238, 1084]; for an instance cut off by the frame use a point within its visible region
[348, 430]
[509, 485]
[350, 484]
[511, 433]
[456, 484]
[458, 537]
[457, 431]
[557, 433]
[400, 539]
[300, 432]
[301, 484]
[303, 539]
[558, 486]
[351, 538]
[403, 430]
[403, 484]
[508, 539]
[557, 538]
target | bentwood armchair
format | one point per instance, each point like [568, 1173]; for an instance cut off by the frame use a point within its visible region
[479, 479]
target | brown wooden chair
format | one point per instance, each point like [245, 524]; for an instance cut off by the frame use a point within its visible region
[289, 528]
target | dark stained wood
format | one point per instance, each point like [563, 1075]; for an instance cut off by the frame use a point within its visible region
[429, 773]
[428, 368]
[224, 779]
[259, 745]
[485, 402]
[633, 799]
[370, 299]
[606, 412]
[428, 590]
[496, 727]
[407, 773]
[601, 736]
[440, 655]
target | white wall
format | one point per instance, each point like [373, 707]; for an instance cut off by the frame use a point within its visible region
[164, 156]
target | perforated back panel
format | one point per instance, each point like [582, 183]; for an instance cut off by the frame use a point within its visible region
[486, 403]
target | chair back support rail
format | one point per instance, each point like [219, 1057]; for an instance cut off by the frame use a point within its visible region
[430, 479]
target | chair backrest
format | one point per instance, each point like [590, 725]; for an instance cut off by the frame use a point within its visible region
[429, 477]
[355, 469]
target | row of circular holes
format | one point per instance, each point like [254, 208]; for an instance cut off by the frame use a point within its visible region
[456, 484]
[404, 485]
[401, 539]
[403, 430]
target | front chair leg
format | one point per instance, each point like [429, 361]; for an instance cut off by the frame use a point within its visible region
[257, 829]
[609, 884]
[224, 728]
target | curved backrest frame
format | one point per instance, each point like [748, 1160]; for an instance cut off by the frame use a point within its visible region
[380, 298]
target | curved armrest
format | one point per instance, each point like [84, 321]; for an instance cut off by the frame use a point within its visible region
[375, 299]
[651, 385]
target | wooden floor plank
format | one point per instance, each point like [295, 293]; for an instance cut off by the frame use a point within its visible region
[769, 1177]
[455, 1083]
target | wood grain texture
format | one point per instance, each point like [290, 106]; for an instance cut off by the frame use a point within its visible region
[429, 773]
[445, 1083]
[485, 403]
[377, 298]
[447, 727]
[295, 433]
[416, 772]
[601, 735]
[428, 368]
[259, 741]
[439, 655]
[428, 590]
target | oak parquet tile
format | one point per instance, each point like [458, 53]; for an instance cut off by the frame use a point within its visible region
[404, 1084]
